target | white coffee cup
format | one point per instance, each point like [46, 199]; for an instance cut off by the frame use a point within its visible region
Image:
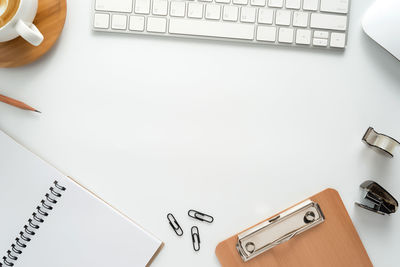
[21, 24]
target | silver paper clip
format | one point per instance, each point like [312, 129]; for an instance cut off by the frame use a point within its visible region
[174, 224]
[381, 142]
[279, 229]
[195, 238]
[200, 216]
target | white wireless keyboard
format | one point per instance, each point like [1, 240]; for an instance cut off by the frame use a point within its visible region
[306, 23]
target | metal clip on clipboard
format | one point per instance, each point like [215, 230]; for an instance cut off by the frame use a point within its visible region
[279, 229]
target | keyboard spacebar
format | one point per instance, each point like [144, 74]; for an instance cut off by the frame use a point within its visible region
[211, 29]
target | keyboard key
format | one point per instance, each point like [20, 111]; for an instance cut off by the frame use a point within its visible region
[248, 14]
[266, 33]
[240, 2]
[275, 3]
[293, 4]
[310, 5]
[320, 42]
[119, 22]
[300, 19]
[286, 35]
[257, 2]
[211, 28]
[338, 40]
[223, 1]
[321, 34]
[335, 6]
[160, 7]
[265, 15]
[114, 5]
[283, 17]
[142, 6]
[303, 37]
[101, 21]
[177, 9]
[195, 10]
[329, 22]
[156, 25]
[213, 12]
[230, 13]
[136, 23]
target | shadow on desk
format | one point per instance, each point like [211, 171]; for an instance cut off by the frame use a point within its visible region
[385, 61]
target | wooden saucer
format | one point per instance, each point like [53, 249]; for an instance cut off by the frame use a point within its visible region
[50, 21]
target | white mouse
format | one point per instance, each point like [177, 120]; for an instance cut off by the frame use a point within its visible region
[382, 24]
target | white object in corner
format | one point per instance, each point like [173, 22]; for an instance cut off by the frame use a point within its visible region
[381, 23]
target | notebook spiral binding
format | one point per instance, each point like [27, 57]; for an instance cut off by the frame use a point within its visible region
[29, 229]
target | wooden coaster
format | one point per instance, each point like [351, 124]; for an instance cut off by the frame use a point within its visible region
[50, 20]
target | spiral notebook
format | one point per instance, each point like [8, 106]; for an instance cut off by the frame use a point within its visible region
[49, 220]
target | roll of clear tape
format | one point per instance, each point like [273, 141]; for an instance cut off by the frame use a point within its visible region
[381, 142]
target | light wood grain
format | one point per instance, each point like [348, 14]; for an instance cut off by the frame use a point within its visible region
[50, 21]
[333, 243]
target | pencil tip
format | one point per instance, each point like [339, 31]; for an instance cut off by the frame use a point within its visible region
[37, 111]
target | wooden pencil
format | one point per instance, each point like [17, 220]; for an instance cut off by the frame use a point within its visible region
[16, 103]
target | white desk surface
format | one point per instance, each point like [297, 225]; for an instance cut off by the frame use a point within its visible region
[158, 125]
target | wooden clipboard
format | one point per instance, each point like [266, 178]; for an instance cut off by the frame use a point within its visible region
[332, 243]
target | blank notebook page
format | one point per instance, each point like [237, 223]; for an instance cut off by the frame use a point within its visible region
[71, 228]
